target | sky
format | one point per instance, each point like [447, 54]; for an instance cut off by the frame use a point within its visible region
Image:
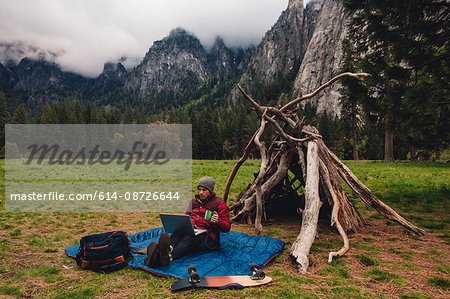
[81, 35]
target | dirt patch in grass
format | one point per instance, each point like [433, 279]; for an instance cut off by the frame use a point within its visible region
[409, 259]
[404, 261]
[409, 252]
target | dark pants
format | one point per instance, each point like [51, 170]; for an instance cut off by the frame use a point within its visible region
[186, 244]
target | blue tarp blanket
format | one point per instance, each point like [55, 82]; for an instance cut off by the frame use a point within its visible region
[237, 252]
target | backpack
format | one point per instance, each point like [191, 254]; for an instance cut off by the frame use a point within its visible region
[105, 252]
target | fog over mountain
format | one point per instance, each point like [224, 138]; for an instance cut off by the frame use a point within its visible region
[81, 35]
[301, 51]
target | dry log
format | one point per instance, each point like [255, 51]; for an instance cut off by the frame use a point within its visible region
[334, 214]
[261, 174]
[248, 205]
[236, 167]
[301, 161]
[368, 198]
[256, 191]
[352, 220]
[248, 200]
[300, 248]
[281, 172]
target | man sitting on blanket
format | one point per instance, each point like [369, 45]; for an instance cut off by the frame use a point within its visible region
[176, 246]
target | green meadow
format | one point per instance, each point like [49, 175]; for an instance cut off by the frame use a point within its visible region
[384, 261]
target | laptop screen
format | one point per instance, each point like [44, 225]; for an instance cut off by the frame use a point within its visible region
[177, 223]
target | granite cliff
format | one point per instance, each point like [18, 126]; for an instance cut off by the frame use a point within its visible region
[303, 48]
[323, 57]
[180, 56]
[280, 52]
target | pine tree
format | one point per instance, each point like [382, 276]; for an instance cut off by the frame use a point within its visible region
[65, 112]
[114, 116]
[20, 115]
[172, 117]
[185, 117]
[4, 116]
[79, 113]
[353, 95]
[49, 115]
[207, 132]
[397, 40]
[370, 29]
[88, 113]
[128, 116]
[142, 116]
[195, 135]
[94, 114]
[101, 116]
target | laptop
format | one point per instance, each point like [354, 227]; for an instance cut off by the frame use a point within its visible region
[179, 223]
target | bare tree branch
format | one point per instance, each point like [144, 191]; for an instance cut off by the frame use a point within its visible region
[237, 166]
[310, 95]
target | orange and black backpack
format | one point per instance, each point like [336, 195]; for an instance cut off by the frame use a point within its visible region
[105, 252]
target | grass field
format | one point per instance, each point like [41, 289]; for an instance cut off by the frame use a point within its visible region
[385, 260]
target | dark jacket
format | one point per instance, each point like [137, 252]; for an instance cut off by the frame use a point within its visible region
[197, 209]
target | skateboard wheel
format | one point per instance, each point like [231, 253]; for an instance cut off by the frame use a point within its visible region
[260, 274]
[194, 277]
[191, 269]
[253, 267]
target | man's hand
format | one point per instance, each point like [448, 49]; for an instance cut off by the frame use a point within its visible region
[215, 218]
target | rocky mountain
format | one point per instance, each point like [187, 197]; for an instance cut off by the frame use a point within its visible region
[300, 52]
[38, 81]
[323, 57]
[280, 52]
[109, 82]
[6, 77]
[113, 72]
[311, 17]
[223, 59]
[175, 65]
[179, 61]
[178, 57]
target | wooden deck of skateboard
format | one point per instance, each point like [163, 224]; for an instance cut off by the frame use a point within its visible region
[220, 282]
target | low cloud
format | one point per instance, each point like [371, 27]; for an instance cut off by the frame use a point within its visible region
[82, 35]
[13, 52]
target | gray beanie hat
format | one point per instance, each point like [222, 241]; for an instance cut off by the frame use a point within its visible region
[207, 182]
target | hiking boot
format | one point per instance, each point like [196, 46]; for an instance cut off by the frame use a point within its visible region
[163, 248]
[152, 259]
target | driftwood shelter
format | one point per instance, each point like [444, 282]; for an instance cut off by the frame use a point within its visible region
[297, 157]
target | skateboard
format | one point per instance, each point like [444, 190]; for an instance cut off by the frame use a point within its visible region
[257, 278]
